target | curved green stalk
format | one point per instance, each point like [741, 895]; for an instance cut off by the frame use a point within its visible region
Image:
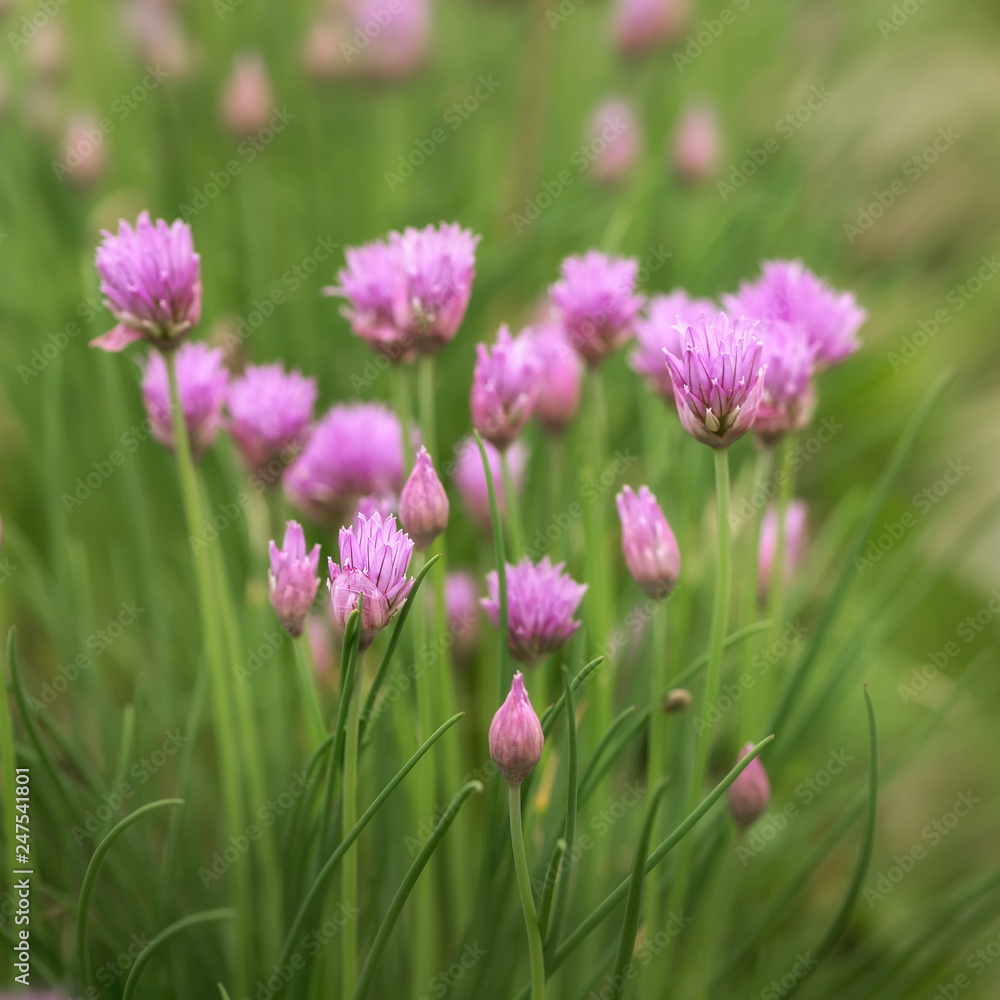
[90, 877]
[349, 872]
[132, 983]
[513, 509]
[313, 710]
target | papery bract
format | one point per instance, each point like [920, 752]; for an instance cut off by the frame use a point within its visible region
[516, 737]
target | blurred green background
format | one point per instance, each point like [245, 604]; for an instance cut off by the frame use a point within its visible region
[929, 260]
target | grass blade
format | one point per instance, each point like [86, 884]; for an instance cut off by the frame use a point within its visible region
[319, 883]
[132, 983]
[406, 886]
[626, 943]
[83, 906]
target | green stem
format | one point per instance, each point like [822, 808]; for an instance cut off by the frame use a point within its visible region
[524, 888]
[753, 700]
[513, 510]
[659, 677]
[310, 695]
[425, 952]
[232, 797]
[349, 816]
[425, 393]
[776, 580]
[713, 677]
[401, 403]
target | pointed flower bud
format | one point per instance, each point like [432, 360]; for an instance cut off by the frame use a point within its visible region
[151, 283]
[293, 578]
[423, 504]
[505, 385]
[374, 557]
[541, 601]
[270, 411]
[597, 303]
[650, 548]
[697, 144]
[247, 101]
[795, 543]
[202, 381]
[718, 379]
[561, 379]
[516, 737]
[750, 793]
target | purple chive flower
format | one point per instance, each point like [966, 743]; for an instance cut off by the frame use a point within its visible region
[423, 504]
[645, 24]
[750, 793]
[718, 379]
[369, 283]
[470, 477]
[397, 47]
[648, 544]
[786, 291]
[408, 295]
[293, 579]
[374, 557]
[561, 380]
[461, 598]
[505, 386]
[796, 516]
[438, 265]
[202, 381]
[150, 279]
[789, 395]
[270, 411]
[356, 450]
[516, 737]
[615, 137]
[541, 600]
[658, 332]
[596, 302]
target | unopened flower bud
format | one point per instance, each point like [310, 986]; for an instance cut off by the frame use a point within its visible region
[697, 144]
[750, 793]
[650, 548]
[423, 504]
[516, 737]
[293, 579]
[248, 99]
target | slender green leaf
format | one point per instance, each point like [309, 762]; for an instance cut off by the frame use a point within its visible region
[319, 883]
[178, 927]
[626, 943]
[551, 715]
[90, 877]
[406, 887]
[552, 874]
